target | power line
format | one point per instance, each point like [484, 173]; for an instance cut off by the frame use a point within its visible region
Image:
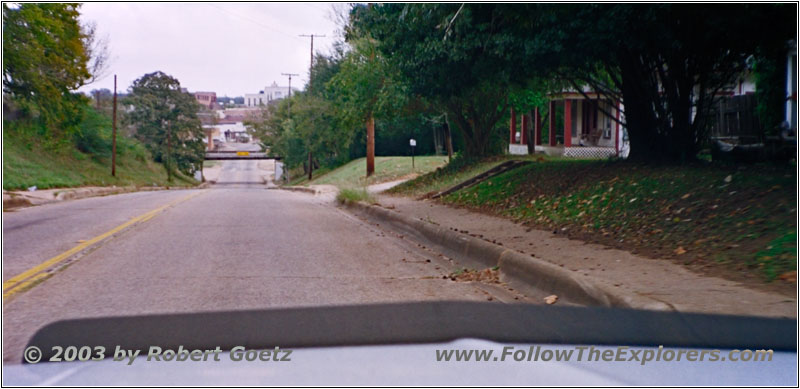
[252, 21]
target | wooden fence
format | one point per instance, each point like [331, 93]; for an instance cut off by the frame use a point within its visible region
[736, 119]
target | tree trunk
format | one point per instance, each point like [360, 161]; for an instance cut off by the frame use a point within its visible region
[640, 119]
[448, 139]
[310, 166]
[475, 136]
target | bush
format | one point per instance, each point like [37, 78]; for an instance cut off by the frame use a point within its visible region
[353, 196]
[93, 136]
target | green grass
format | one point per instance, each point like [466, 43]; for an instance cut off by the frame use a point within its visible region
[458, 171]
[352, 195]
[353, 174]
[779, 257]
[695, 213]
[27, 163]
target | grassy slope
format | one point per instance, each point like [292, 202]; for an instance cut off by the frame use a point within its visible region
[454, 174]
[352, 174]
[699, 215]
[25, 164]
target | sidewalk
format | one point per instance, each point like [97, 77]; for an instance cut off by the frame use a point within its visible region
[21, 199]
[661, 280]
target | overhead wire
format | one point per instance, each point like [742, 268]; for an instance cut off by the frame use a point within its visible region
[229, 12]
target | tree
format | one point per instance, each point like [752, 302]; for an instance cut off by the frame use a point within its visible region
[458, 57]
[668, 63]
[166, 122]
[47, 55]
[365, 88]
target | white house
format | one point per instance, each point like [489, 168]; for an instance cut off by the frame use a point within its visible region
[592, 127]
[264, 97]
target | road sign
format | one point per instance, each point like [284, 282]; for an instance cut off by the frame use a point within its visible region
[412, 142]
[243, 153]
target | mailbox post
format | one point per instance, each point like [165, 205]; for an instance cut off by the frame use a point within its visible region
[413, 144]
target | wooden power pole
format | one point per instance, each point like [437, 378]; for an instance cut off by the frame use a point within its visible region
[370, 145]
[310, 76]
[289, 101]
[311, 64]
[114, 132]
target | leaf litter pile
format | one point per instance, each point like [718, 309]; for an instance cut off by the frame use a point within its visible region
[489, 275]
[735, 222]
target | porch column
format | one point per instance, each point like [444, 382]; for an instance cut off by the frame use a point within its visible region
[512, 127]
[567, 123]
[537, 134]
[526, 120]
[551, 125]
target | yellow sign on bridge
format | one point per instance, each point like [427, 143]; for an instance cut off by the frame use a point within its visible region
[243, 153]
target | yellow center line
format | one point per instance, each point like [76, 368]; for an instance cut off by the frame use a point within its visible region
[28, 277]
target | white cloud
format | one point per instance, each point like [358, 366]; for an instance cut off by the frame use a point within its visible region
[227, 48]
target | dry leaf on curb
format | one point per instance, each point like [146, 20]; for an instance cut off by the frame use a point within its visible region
[551, 299]
[789, 276]
[680, 250]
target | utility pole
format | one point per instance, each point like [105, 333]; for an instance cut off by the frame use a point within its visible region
[370, 145]
[311, 64]
[168, 161]
[114, 132]
[289, 111]
[289, 102]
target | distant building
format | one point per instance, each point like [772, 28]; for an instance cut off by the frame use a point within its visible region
[226, 125]
[206, 99]
[269, 94]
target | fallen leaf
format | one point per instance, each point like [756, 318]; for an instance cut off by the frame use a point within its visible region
[551, 299]
[686, 196]
[729, 178]
[789, 276]
[680, 250]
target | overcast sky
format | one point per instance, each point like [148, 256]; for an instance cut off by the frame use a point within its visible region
[227, 48]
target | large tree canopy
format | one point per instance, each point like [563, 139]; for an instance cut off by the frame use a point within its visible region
[46, 57]
[667, 62]
[459, 57]
[166, 121]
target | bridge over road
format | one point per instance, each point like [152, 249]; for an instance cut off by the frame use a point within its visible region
[236, 155]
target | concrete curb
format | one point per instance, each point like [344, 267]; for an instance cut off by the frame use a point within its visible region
[299, 189]
[524, 272]
[13, 201]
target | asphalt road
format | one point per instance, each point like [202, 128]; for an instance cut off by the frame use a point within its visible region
[236, 245]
